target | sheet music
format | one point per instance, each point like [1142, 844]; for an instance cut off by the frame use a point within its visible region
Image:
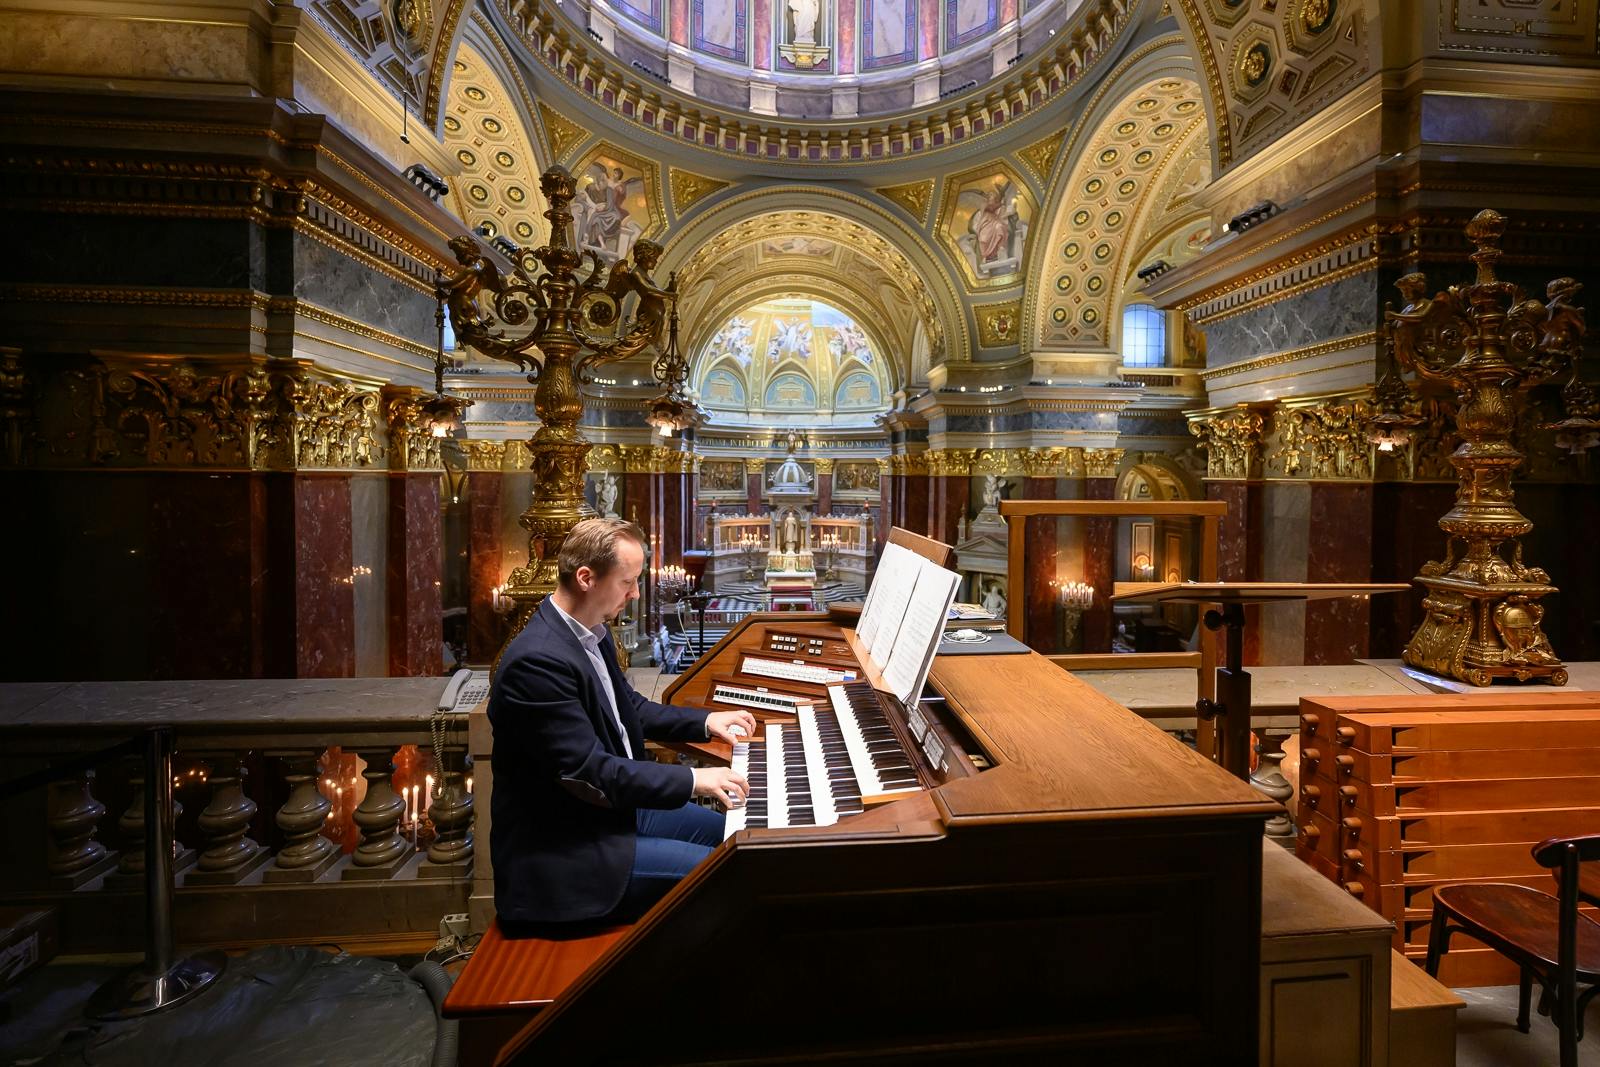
[921, 627]
[892, 599]
[897, 565]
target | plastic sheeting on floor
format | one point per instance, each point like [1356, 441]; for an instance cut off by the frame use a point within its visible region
[276, 1005]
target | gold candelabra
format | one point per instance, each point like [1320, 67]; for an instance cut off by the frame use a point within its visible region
[575, 324]
[1490, 345]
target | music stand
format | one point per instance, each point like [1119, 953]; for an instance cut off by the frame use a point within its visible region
[1232, 705]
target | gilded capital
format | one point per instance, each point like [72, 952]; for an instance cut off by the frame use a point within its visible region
[755, 465]
[824, 466]
[1232, 440]
[1101, 462]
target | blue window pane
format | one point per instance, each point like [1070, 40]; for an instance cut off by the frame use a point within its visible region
[1144, 336]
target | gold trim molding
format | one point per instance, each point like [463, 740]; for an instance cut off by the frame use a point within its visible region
[1292, 355]
[915, 197]
[689, 188]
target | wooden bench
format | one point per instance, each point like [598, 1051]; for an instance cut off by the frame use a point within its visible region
[1422, 1017]
[508, 981]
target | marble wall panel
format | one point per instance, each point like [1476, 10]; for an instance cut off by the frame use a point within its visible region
[1285, 529]
[369, 561]
[951, 500]
[415, 569]
[333, 280]
[1347, 306]
[485, 629]
[1174, 425]
[180, 253]
[1405, 535]
[1099, 567]
[324, 609]
[1339, 549]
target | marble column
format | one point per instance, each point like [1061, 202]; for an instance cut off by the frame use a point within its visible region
[415, 567]
[913, 491]
[1039, 550]
[1339, 550]
[886, 505]
[951, 497]
[753, 475]
[824, 490]
[1239, 550]
[928, 16]
[1405, 535]
[1099, 559]
[315, 547]
[761, 34]
[485, 628]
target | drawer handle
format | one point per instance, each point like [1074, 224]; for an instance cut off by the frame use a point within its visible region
[1310, 833]
[1355, 889]
[1346, 764]
[1352, 826]
[1352, 856]
[1310, 794]
[1345, 734]
[1311, 756]
[1347, 793]
[1309, 721]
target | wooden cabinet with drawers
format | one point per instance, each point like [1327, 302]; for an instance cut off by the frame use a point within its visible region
[1402, 794]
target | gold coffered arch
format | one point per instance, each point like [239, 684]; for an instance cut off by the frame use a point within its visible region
[486, 134]
[1113, 189]
[878, 243]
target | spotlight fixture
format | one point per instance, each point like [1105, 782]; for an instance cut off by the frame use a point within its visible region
[1154, 270]
[1251, 216]
[430, 183]
[506, 246]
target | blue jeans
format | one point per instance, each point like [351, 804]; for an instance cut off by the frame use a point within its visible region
[670, 845]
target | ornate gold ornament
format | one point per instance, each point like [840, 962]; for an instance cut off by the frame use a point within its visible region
[16, 414]
[413, 23]
[1490, 346]
[1317, 15]
[997, 324]
[560, 131]
[824, 465]
[915, 197]
[1101, 462]
[688, 188]
[1040, 157]
[1327, 439]
[950, 462]
[575, 324]
[1254, 64]
[1232, 440]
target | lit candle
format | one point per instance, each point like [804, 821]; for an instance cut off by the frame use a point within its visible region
[429, 792]
[469, 783]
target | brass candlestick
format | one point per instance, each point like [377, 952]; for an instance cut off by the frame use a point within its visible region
[1490, 345]
[544, 306]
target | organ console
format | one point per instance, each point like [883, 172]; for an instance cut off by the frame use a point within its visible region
[1007, 867]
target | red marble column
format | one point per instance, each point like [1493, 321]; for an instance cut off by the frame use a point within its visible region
[1405, 535]
[888, 498]
[1340, 550]
[951, 499]
[825, 493]
[324, 600]
[415, 569]
[846, 36]
[928, 12]
[1039, 549]
[1099, 559]
[1565, 517]
[752, 497]
[1239, 549]
[761, 33]
[485, 627]
[678, 22]
[914, 498]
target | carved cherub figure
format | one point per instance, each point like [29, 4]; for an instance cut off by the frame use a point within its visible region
[634, 277]
[461, 288]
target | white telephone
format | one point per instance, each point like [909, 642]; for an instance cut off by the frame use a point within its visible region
[465, 690]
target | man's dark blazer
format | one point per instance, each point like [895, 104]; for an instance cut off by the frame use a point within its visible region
[565, 792]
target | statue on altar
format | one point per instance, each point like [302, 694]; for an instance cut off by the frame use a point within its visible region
[791, 533]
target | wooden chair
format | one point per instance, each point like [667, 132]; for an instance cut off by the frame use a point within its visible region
[1544, 935]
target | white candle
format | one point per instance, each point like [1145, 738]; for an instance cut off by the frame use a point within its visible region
[429, 793]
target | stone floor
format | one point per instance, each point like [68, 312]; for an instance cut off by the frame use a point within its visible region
[1486, 1033]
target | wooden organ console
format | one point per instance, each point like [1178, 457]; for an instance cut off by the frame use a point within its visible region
[1011, 869]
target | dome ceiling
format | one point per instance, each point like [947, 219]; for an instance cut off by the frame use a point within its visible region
[738, 78]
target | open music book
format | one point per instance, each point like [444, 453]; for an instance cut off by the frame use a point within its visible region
[904, 616]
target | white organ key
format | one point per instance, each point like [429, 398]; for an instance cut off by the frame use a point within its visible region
[777, 790]
[817, 770]
[734, 820]
[855, 744]
[794, 671]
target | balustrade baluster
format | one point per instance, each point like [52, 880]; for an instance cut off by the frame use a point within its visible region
[306, 854]
[451, 814]
[230, 855]
[73, 855]
[382, 851]
[129, 874]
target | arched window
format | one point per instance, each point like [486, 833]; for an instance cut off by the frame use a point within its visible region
[1144, 336]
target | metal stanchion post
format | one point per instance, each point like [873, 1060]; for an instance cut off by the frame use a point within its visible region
[158, 982]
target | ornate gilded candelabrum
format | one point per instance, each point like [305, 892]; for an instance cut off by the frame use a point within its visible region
[1076, 598]
[560, 326]
[751, 549]
[1490, 345]
[828, 554]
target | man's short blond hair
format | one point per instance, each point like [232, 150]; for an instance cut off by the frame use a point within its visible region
[593, 544]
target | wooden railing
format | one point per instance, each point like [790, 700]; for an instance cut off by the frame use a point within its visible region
[306, 823]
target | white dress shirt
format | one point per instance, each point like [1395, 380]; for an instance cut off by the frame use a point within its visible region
[590, 640]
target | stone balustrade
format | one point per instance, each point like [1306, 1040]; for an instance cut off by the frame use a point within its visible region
[330, 786]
